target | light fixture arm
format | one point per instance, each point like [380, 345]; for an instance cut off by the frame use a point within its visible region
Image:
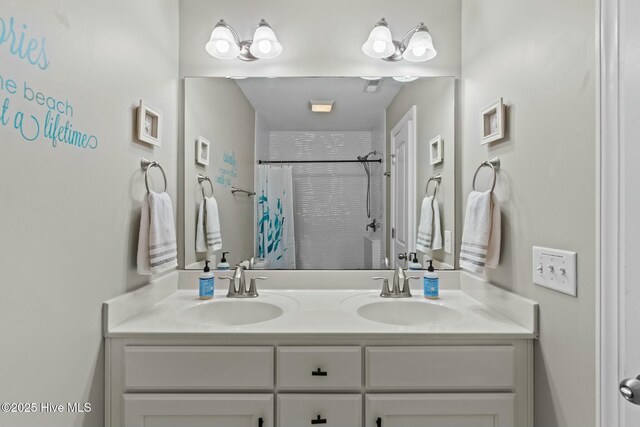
[411, 32]
[244, 45]
[401, 46]
[222, 23]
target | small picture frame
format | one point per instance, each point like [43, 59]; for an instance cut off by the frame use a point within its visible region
[202, 151]
[492, 122]
[149, 124]
[435, 150]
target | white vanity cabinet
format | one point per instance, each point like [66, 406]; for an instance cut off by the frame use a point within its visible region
[342, 381]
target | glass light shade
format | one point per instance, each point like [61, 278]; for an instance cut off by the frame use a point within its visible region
[222, 44]
[420, 47]
[265, 45]
[405, 79]
[380, 43]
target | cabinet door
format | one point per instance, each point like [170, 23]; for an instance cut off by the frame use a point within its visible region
[440, 410]
[198, 410]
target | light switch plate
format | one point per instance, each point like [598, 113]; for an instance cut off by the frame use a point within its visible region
[555, 269]
[447, 241]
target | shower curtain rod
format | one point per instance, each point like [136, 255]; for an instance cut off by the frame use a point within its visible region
[267, 162]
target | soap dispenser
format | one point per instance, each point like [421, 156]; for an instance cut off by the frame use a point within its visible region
[223, 264]
[431, 282]
[413, 262]
[206, 282]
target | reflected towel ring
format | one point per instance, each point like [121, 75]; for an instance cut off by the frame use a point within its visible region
[437, 180]
[145, 165]
[494, 164]
[201, 180]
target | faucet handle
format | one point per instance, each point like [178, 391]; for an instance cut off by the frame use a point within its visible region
[253, 292]
[385, 286]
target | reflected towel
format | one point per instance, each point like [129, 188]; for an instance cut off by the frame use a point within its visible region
[429, 230]
[208, 235]
[157, 250]
[481, 234]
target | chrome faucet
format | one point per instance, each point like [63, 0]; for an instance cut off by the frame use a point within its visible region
[373, 225]
[239, 289]
[396, 292]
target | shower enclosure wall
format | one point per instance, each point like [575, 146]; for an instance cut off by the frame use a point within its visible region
[330, 199]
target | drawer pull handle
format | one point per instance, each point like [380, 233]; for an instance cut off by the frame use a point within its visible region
[319, 373]
[379, 422]
[260, 422]
[319, 420]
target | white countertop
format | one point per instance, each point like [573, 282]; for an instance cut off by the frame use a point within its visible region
[327, 311]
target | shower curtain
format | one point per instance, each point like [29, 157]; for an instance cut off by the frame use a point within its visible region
[275, 235]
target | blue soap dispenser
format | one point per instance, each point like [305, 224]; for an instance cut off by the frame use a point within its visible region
[206, 282]
[413, 262]
[431, 282]
[223, 264]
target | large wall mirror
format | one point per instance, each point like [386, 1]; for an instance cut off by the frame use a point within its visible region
[319, 173]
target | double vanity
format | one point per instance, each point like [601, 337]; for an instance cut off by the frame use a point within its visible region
[319, 348]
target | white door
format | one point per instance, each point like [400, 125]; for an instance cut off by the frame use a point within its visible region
[440, 410]
[620, 215]
[403, 182]
[630, 198]
[198, 410]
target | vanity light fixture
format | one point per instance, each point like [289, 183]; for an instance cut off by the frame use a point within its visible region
[416, 45]
[321, 106]
[225, 43]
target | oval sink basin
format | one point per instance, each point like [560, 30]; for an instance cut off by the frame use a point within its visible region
[229, 312]
[408, 313]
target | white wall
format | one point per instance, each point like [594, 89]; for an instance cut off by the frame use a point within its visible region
[541, 57]
[217, 110]
[435, 102]
[320, 38]
[69, 216]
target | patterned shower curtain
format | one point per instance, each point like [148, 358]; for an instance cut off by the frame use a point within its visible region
[275, 234]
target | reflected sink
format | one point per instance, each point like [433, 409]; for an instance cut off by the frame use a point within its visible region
[228, 312]
[408, 312]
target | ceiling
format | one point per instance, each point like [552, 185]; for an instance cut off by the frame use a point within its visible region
[283, 103]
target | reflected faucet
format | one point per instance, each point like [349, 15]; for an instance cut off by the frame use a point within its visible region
[373, 225]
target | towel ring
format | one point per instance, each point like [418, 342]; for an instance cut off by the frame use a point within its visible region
[145, 165]
[201, 180]
[494, 164]
[436, 180]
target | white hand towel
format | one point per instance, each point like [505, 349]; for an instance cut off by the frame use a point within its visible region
[208, 235]
[481, 234]
[429, 230]
[157, 250]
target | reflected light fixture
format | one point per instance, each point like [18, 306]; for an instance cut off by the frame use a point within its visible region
[321, 106]
[405, 79]
[416, 45]
[225, 43]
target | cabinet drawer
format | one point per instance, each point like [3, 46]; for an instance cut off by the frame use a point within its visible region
[198, 368]
[322, 410]
[315, 368]
[440, 368]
